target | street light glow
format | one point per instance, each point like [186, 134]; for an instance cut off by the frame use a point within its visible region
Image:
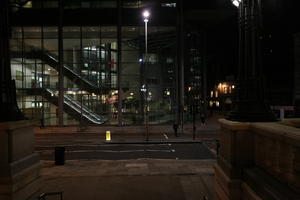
[146, 14]
[236, 2]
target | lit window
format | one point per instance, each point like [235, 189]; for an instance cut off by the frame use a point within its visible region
[211, 103]
[168, 5]
[211, 93]
[28, 5]
[225, 90]
[216, 93]
[217, 103]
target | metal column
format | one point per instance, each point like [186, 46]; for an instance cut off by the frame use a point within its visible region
[119, 63]
[61, 65]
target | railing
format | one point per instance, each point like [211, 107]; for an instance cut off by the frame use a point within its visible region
[79, 108]
[43, 196]
[53, 57]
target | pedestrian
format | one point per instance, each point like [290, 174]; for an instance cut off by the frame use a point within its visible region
[175, 127]
[42, 123]
[194, 132]
[202, 118]
[218, 147]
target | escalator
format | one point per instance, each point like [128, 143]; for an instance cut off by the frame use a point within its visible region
[73, 107]
[52, 60]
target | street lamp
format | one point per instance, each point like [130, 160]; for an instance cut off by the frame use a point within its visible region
[146, 15]
[250, 103]
[236, 2]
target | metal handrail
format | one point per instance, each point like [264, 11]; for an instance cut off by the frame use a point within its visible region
[44, 195]
[77, 107]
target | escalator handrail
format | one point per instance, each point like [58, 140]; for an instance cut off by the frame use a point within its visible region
[90, 114]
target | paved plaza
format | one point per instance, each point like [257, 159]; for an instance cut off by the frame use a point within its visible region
[130, 179]
[128, 166]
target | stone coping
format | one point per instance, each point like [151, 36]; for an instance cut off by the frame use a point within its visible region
[234, 125]
[12, 125]
[294, 122]
[277, 130]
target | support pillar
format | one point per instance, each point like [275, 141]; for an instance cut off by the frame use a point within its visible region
[180, 62]
[8, 104]
[250, 105]
[61, 65]
[119, 63]
[19, 166]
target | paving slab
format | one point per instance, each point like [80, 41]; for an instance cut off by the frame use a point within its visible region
[147, 179]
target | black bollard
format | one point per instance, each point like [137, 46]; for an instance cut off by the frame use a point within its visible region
[59, 155]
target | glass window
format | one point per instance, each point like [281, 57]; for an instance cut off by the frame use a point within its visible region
[91, 32]
[105, 4]
[32, 32]
[90, 43]
[50, 32]
[130, 56]
[15, 45]
[32, 44]
[50, 4]
[71, 32]
[71, 44]
[72, 4]
[130, 32]
[16, 32]
[50, 44]
[169, 5]
[109, 32]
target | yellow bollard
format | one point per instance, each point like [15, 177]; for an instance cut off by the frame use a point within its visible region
[108, 138]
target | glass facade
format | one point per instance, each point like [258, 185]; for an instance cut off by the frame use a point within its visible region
[90, 55]
[107, 76]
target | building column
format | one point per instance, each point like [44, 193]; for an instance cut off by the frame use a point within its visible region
[250, 102]
[61, 65]
[180, 62]
[8, 103]
[297, 76]
[119, 63]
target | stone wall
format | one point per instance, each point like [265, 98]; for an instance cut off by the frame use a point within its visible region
[19, 165]
[250, 151]
[297, 74]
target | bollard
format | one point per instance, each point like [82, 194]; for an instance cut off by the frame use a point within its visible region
[107, 136]
[59, 155]
[281, 114]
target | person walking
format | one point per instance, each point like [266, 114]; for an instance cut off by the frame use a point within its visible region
[175, 127]
[202, 116]
[42, 125]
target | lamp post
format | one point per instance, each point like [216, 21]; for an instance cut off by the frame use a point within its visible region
[146, 15]
[250, 103]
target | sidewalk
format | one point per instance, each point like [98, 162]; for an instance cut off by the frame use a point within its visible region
[210, 126]
[145, 179]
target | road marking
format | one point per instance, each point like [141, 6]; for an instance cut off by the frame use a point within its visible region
[166, 136]
[102, 145]
[136, 165]
[107, 151]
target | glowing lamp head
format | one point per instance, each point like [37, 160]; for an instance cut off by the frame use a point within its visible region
[236, 2]
[146, 14]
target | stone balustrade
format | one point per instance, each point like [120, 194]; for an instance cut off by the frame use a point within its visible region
[273, 148]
